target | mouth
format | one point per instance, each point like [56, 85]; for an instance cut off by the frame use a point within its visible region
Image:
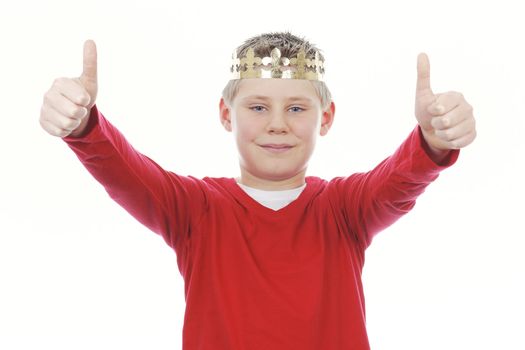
[276, 148]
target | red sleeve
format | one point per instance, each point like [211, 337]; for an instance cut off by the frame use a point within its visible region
[166, 203]
[374, 200]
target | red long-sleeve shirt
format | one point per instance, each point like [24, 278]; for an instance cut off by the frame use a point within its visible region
[256, 278]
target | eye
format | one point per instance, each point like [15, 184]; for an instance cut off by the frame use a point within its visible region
[296, 109]
[257, 108]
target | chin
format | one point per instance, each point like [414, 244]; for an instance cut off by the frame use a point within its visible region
[282, 174]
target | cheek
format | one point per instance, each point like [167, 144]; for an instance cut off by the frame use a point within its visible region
[248, 128]
[306, 131]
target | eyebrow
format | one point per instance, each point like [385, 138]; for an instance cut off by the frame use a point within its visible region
[266, 98]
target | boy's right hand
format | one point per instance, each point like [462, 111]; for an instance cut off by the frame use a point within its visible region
[67, 104]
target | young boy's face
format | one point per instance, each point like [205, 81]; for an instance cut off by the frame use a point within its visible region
[275, 123]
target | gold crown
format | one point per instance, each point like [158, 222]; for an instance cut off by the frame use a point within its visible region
[299, 67]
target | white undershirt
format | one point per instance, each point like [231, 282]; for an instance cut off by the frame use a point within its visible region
[273, 199]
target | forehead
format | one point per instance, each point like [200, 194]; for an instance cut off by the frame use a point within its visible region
[277, 89]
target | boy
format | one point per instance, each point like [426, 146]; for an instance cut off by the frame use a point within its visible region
[272, 259]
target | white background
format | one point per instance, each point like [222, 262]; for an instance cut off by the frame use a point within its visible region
[77, 272]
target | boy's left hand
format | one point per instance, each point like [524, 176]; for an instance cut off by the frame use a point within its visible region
[446, 120]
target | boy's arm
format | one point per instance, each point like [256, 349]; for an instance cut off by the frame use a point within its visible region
[163, 201]
[378, 198]
[374, 200]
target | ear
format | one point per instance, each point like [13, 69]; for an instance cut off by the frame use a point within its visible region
[327, 119]
[225, 115]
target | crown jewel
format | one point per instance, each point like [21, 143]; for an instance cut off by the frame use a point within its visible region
[276, 66]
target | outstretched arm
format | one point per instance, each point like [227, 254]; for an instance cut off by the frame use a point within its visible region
[166, 203]
[376, 199]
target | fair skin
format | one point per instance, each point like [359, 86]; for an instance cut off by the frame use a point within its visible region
[275, 122]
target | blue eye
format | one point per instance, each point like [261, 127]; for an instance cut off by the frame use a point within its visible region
[296, 109]
[257, 108]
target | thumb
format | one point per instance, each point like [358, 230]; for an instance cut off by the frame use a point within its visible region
[423, 74]
[88, 78]
[89, 73]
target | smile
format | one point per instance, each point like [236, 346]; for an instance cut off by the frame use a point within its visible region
[276, 148]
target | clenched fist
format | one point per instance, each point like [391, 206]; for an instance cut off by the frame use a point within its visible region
[446, 119]
[67, 104]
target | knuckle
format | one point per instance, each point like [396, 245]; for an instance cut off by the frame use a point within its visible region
[46, 113]
[47, 98]
[454, 97]
[59, 81]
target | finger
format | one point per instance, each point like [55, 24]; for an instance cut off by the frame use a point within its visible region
[452, 118]
[54, 99]
[53, 129]
[458, 131]
[89, 72]
[54, 117]
[423, 74]
[464, 141]
[72, 90]
[446, 102]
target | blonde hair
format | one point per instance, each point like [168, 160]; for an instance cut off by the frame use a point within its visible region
[289, 45]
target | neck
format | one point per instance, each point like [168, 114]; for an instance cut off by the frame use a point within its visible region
[250, 180]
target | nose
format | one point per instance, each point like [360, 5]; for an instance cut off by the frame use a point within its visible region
[277, 124]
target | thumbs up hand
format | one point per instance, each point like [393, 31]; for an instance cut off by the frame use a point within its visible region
[67, 104]
[446, 119]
